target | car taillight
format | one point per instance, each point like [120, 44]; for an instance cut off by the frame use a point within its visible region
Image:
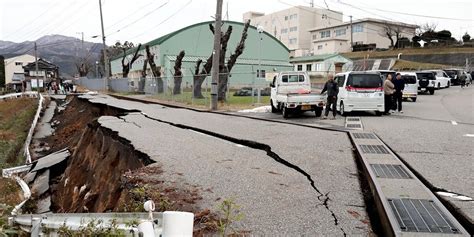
[350, 88]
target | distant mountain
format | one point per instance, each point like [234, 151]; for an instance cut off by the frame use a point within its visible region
[61, 50]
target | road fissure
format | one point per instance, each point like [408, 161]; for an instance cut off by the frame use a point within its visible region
[323, 198]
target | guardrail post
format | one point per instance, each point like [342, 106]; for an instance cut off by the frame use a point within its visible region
[35, 226]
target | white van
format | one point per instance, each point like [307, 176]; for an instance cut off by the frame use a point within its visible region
[360, 91]
[411, 85]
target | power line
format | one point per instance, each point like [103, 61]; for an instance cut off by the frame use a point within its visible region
[146, 15]
[166, 19]
[133, 13]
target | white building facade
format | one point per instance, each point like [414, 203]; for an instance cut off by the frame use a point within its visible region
[337, 38]
[14, 72]
[291, 26]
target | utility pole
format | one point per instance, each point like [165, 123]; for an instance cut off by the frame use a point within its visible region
[352, 43]
[106, 60]
[36, 73]
[216, 53]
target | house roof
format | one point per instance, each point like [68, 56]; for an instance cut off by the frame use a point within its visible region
[18, 76]
[316, 58]
[42, 64]
[163, 38]
[365, 20]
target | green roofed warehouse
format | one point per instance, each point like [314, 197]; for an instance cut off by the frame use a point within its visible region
[197, 41]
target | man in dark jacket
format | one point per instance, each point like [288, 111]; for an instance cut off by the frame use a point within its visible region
[398, 95]
[333, 89]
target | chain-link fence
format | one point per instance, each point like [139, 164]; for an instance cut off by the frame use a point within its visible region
[238, 89]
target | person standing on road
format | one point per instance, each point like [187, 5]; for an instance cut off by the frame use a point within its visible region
[398, 95]
[332, 88]
[462, 80]
[388, 89]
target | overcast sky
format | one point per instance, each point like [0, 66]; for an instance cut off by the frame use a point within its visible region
[145, 20]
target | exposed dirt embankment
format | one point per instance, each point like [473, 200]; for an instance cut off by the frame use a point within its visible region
[91, 182]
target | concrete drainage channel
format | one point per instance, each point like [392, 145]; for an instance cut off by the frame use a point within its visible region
[405, 206]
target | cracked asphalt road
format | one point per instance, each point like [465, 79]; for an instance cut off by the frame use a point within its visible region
[276, 199]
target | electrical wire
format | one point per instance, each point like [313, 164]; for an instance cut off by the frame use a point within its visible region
[166, 19]
[144, 16]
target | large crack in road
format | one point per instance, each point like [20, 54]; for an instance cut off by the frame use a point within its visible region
[322, 197]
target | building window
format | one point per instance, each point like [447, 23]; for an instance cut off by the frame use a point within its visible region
[286, 18]
[320, 47]
[293, 16]
[358, 28]
[315, 36]
[260, 73]
[293, 29]
[325, 34]
[299, 67]
[19, 63]
[284, 30]
[308, 67]
[293, 41]
[340, 32]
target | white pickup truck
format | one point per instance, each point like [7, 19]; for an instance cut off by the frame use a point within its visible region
[291, 93]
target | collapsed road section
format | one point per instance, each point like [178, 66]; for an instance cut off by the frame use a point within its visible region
[286, 179]
[283, 179]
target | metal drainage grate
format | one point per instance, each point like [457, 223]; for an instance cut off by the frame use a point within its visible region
[364, 135]
[353, 119]
[421, 215]
[353, 125]
[374, 149]
[390, 171]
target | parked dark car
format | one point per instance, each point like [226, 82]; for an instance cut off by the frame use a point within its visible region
[454, 74]
[426, 82]
[247, 91]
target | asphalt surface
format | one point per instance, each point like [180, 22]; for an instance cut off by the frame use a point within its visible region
[272, 187]
[432, 136]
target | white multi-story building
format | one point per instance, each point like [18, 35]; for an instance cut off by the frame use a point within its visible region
[14, 72]
[337, 38]
[291, 26]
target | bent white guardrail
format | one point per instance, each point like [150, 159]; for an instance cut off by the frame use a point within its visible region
[131, 224]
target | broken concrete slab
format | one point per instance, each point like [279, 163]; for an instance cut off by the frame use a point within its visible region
[41, 184]
[50, 160]
[43, 205]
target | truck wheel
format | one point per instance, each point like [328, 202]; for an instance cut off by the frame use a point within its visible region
[413, 99]
[449, 84]
[341, 109]
[431, 91]
[318, 111]
[285, 112]
[439, 86]
[378, 113]
[274, 109]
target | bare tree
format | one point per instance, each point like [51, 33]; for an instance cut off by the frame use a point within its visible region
[126, 66]
[145, 64]
[224, 74]
[83, 67]
[178, 74]
[199, 77]
[391, 31]
[154, 69]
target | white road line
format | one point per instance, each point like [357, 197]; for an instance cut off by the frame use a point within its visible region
[468, 135]
[454, 122]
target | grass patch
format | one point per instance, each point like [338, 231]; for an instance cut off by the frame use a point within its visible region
[15, 120]
[412, 51]
[232, 103]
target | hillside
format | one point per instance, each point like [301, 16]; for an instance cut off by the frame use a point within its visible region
[446, 56]
[61, 50]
